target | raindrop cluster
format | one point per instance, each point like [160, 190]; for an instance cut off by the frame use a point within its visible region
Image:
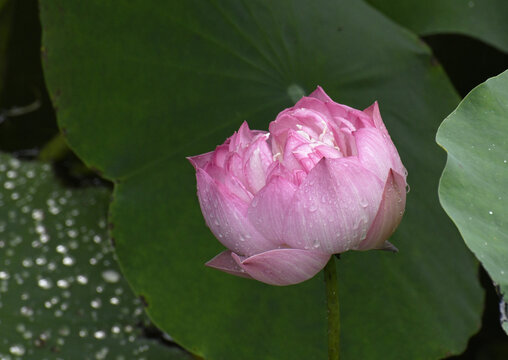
[61, 291]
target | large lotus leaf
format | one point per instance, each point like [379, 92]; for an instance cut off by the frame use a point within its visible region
[61, 292]
[474, 186]
[149, 83]
[481, 19]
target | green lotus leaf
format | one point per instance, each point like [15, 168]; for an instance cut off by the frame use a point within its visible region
[149, 83]
[61, 292]
[473, 189]
[481, 19]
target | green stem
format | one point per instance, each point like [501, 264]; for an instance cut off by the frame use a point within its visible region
[332, 302]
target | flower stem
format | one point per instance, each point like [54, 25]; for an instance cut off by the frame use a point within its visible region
[332, 302]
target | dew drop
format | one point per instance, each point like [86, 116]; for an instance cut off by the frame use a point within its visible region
[99, 334]
[110, 276]
[61, 249]
[44, 238]
[82, 279]
[37, 214]
[114, 301]
[17, 350]
[72, 233]
[26, 311]
[68, 261]
[62, 284]
[45, 283]
[9, 185]
[96, 303]
[39, 229]
[51, 266]
[41, 261]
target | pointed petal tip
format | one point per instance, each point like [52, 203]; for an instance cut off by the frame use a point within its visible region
[192, 161]
[373, 109]
[226, 262]
[320, 94]
[388, 246]
[244, 126]
[200, 161]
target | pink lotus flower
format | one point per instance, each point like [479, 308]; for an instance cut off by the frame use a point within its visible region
[325, 179]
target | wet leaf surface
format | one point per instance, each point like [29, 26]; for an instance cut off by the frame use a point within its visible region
[62, 295]
[473, 188]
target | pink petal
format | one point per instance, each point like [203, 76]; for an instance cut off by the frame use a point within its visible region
[373, 112]
[283, 266]
[308, 122]
[220, 155]
[294, 140]
[230, 182]
[234, 166]
[200, 161]
[306, 156]
[225, 262]
[257, 160]
[226, 216]
[313, 103]
[373, 152]
[320, 94]
[269, 206]
[352, 118]
[279, 170]
[242, 138]
[327, 152]
[345, 140]
[389, 214]
[333, 207]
